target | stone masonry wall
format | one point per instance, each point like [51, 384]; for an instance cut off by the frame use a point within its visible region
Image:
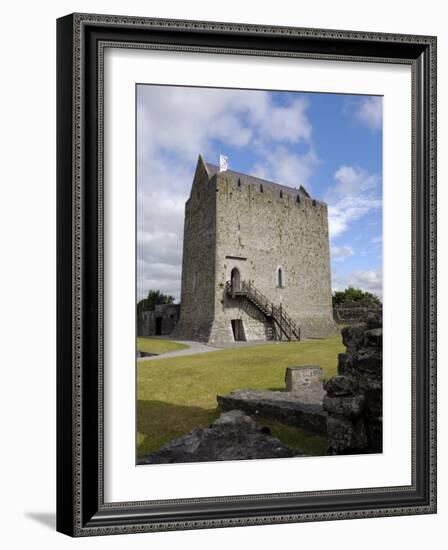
[353, 399]
[161, 320]
[198, 266]
[352, 312]
[259, 232]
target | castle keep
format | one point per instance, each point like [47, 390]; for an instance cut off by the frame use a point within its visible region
[256, 262]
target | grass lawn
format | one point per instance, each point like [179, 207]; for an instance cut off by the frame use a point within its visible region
[158, 345]
[178, 394]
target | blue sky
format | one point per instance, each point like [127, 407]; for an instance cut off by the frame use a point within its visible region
[330, 143]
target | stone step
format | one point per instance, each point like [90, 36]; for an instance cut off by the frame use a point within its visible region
[302, 409]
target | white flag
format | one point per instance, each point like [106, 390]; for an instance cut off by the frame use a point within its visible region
[223, 163]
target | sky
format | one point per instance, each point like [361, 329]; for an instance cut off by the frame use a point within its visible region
[329, 143]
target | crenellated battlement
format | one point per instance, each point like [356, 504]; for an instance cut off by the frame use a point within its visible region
[230, 185]
[234, 184]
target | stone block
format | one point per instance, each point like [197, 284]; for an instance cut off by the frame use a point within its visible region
[353, 336]
[341, 385]
[297, 378]
[369, 361]
[370, 381]
[345, 365]
[374, 337]
[374, 319]
[349, 405]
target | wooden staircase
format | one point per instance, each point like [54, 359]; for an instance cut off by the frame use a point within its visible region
[286, 326]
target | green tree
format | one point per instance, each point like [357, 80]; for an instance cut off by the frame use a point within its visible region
[154, 298]
[355, 295]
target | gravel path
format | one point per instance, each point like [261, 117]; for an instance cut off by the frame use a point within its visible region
[200, 347]
[193, 349]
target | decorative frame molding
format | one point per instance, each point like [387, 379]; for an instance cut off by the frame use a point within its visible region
[81, 39]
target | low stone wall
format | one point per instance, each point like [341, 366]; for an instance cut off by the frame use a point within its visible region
[160, 321]
[299, 406]
[352, 313]
[353, 399]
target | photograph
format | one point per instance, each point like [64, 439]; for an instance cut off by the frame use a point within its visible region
[242, 209]
[259, 294]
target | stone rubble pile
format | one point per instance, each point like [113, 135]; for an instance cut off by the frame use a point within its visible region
[232, 436]
[353, 399]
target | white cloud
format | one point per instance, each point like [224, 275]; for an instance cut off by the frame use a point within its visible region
[345, 211]
[377, 240]
[183, 121]
[284, 123]
[368, 280]
[367, 111]
[174, 125]
[282, 166]
[354, 194]
[353, 180]
[341, 252]
[160, 213]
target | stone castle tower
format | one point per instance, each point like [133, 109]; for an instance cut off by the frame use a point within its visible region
[256, 262]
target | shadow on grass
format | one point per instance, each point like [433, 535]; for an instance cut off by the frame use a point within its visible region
[159, 422]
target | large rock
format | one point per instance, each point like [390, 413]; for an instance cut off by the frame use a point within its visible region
[341, 385]
[346, 405]
[299, 409]
[353, 336]
[233, 436]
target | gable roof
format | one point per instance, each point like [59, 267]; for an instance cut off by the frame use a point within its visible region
[212, 169]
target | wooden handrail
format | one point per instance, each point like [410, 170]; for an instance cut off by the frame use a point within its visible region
[287, 326]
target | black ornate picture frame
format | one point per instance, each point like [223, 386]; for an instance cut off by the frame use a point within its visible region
[81, 508]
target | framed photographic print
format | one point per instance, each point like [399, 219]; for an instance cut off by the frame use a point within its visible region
[246, 274]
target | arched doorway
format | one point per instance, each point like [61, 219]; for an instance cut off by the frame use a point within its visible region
[235, 279]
